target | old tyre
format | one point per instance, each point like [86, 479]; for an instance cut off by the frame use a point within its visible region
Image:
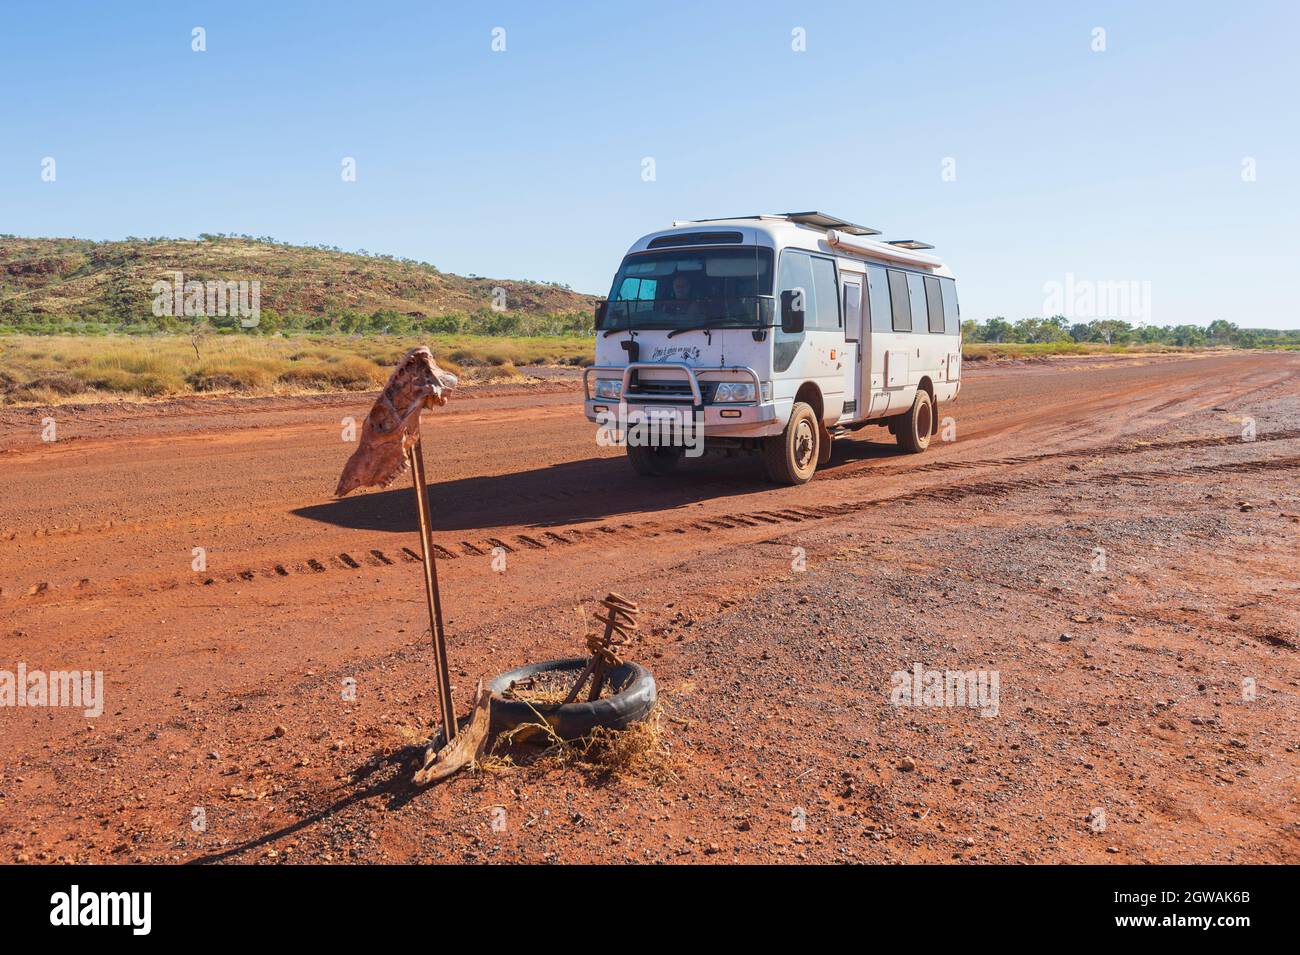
[633, 700]
[915, 426]
[791, 456]
[653, 462]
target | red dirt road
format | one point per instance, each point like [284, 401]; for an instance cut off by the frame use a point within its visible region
[1148, 707]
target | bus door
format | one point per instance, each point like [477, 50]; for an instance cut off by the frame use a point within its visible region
[855, 337]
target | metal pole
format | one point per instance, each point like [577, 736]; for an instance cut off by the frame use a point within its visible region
[432, 597]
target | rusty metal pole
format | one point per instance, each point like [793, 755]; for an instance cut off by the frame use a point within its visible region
[432, 596]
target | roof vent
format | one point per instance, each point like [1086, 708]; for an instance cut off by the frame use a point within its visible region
[695, 238]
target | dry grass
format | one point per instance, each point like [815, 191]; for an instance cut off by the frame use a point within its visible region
[46, 370]
[552, 687]
[642, 750]
[990, 351]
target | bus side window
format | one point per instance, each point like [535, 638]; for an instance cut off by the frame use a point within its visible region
[916, 292]
[900, 301]
[878, 308]
[795, 272]
[852, 311]
[934, 305]
[951, 315]
[828, 299]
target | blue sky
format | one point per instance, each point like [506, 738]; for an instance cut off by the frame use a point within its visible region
[1122, 165]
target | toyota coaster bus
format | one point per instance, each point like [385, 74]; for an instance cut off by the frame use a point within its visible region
[772, 334]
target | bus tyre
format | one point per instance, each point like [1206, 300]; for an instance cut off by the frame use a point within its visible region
[791, 456]
[914, 427]
[653, 462]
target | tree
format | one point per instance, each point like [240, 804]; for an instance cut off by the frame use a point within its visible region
[997, 330]
[1187, 335]
[1112, 330]
[269, 322]
[200, 330]
[1221, 332]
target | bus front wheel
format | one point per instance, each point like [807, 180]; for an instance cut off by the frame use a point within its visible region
[791, 456]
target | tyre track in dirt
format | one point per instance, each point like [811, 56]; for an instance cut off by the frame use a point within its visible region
[542, 535]
[630, 535]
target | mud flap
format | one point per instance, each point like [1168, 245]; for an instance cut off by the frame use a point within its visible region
[823, 445]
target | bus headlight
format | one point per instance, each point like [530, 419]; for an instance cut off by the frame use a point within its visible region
[734, 391]
[609, 388]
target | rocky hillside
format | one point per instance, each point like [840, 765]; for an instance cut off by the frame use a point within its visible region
[69, 280]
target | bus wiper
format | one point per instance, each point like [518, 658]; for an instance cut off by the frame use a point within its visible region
[706, 327]
[632, 330]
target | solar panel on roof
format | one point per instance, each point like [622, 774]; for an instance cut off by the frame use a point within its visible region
[821, 220]
[910, 244]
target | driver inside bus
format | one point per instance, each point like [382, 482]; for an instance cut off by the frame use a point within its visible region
[683, 301]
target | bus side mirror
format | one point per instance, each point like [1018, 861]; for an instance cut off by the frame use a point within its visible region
[792, 300]
[601, 309]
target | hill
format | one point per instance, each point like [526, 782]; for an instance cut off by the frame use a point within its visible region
[80, 285]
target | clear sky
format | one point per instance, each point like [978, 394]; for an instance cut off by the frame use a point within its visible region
[1115, 166]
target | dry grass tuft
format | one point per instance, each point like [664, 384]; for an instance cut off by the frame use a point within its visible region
[643, 750]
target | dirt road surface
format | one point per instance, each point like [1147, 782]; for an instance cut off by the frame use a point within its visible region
[1100, 536]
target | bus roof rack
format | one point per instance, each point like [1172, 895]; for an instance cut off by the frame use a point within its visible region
[910, 244]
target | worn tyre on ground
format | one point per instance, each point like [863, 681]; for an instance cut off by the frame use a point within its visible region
[791, 456]
[915, 426]
[653, 462]
[633, 699]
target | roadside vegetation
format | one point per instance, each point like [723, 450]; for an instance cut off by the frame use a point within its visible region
[58, 369]
[1057, 335]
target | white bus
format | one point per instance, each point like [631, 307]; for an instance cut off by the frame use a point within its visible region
[776, 333]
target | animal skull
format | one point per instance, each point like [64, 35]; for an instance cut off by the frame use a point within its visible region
[393, 424]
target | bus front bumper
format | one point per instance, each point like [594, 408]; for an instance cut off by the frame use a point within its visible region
[733, 421]
[750, 419]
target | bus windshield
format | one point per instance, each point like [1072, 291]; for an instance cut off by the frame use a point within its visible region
[692, 288]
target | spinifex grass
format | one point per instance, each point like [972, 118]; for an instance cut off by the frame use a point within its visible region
[61, 369]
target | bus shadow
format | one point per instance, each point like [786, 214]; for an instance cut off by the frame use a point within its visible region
[559, 494]
[849, 450]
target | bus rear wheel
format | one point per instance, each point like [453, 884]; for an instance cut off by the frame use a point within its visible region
[791, 456]
[653, 462]
[913, 428]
